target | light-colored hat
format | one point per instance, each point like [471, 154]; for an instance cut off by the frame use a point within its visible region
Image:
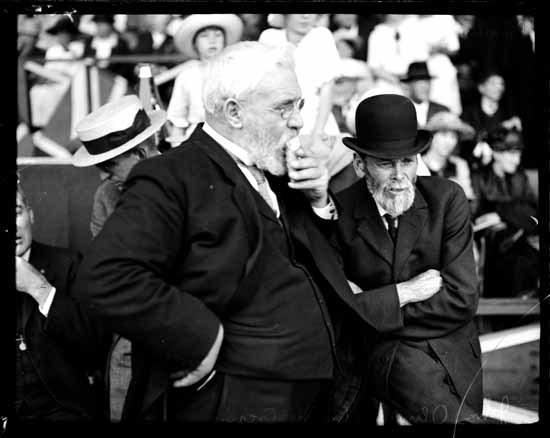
[113, 129]
[231, 24]
[447, 121]
[352, 68]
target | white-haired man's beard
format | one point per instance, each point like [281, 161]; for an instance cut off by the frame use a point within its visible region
[394, 203]
[264, 154]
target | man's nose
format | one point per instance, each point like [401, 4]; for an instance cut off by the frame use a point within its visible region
[398, 170]
[295, 120]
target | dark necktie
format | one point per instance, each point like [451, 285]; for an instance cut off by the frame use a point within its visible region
[392, 228]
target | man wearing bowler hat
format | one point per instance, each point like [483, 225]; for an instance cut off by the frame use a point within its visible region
[417, 86]
[406, 243]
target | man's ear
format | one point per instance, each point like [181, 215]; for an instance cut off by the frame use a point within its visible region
[233, 113]
[140, 152]
[31, 215]
[358, 165]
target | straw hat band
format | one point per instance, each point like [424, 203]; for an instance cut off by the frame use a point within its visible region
[118, 138]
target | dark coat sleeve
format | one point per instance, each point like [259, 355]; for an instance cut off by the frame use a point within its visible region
[456, 302]
[68, 322]
[125, 275]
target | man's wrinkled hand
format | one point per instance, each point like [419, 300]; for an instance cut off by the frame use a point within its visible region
[307, 168]
[187, 378]
[419, 288]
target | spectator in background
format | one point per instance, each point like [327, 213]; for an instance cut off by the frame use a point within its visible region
[162, 42]
[525, 82]
[67, 46]
[392, 46]
[115, 159]
[441, 157]
[507, 206]
[347, 45]
[135, 141]
[60, 349]
[28, 31]
[417, 86]
[317, 61]
[465, 59]
[349, 41]
[316, 64]
[200, 37]
[107, 42]
[440, 35]
[253, 26]
[489, 112]
[352, 81]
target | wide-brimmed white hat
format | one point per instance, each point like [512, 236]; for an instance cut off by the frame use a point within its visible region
[447, 121]
[113, 129]
[231, 24]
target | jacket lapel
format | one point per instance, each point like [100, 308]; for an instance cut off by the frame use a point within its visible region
[242, 194]
[369, 224]
[411, 224]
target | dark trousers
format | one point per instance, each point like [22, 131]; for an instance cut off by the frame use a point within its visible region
[421, 394]
[229, 398]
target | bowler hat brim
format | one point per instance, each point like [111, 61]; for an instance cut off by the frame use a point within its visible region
[389, 149]
[417, 78]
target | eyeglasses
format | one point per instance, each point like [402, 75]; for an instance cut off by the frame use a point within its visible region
[286, 110]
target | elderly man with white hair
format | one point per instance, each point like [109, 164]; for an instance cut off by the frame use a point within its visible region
[216, 262]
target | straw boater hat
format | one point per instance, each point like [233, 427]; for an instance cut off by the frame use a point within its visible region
[447, 121]
[114, 129]
[231, 24]
[387, 128]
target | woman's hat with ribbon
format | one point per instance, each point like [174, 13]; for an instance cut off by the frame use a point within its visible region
[113, 129]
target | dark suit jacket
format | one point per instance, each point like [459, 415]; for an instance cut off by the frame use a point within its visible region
[183, 242]
[434, 233]
[69, 345]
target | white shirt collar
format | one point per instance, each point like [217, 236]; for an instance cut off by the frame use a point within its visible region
[228, 145]
[27, 254]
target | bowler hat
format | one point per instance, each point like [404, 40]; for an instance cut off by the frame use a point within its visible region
[417, 71]
[113, 129]
[64, 24]
[387, 127]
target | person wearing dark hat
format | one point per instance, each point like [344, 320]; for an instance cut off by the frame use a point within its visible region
[505, 199]
[108, 42]
[68, 45]
[59, 347]
[417, 86]
[491, 110]
[115, 138]
[406, 244]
